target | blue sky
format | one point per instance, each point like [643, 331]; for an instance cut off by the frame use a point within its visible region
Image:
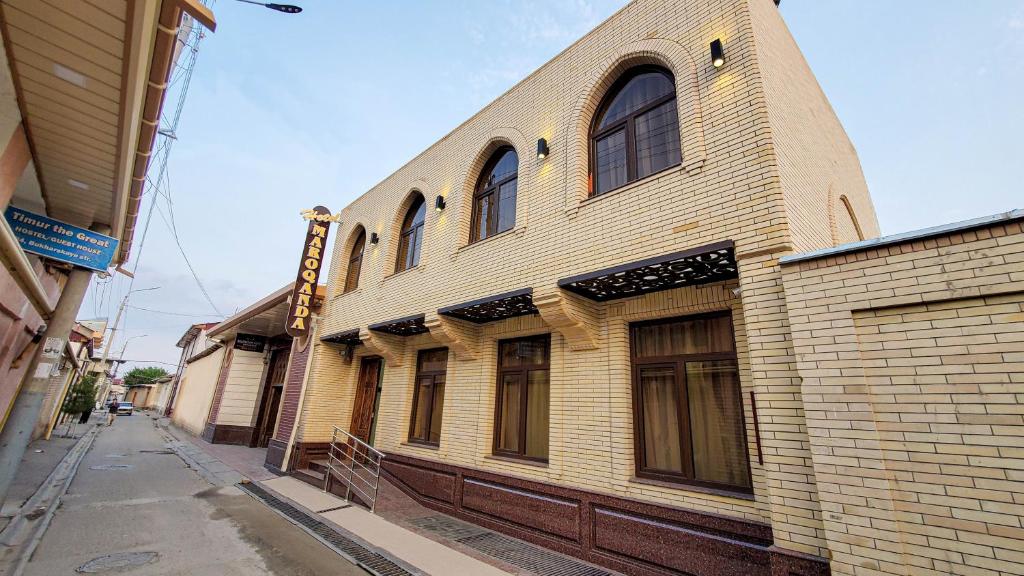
[286, 112]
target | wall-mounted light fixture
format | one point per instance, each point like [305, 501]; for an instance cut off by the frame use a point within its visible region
[439, 203]
[542, 149]
[374, 238]
[717, 53]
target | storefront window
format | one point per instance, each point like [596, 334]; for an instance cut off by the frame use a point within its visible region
[522, 410]
[688, 408]
[428, 397]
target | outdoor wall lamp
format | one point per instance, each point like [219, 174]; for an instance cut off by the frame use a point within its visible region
[374, 238]
[542, 149]
[717, 53]
[439, 203]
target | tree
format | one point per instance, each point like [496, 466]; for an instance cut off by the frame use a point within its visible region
[143, 376]
[82, 396]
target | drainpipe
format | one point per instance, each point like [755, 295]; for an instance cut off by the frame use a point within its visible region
[17, 263]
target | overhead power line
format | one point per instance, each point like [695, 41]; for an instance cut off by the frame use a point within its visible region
[169, 128]
[173, 313]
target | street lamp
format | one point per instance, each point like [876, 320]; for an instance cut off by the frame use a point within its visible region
[121, 357]
[103, 383]
[286, 8]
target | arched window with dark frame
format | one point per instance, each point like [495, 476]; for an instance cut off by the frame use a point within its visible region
[635, 132]
[410, 240]
[494, 198]
[355, 262]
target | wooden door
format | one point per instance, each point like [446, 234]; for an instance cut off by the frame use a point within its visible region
[366, 393]
[271, 398]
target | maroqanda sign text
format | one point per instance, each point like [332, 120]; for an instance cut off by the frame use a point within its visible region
[301, 307]
[61, 241]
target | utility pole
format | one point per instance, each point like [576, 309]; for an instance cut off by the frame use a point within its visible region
[104, 385]
[17, 433]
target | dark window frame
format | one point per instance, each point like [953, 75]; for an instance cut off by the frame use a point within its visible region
[678, 364]
[407, 235]
[626, 123]
[430, 397]
[523, 399]
[493, 190]
[355, 262]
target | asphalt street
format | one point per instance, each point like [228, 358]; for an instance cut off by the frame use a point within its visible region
[134, 507]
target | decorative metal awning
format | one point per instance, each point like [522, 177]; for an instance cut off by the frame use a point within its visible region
[491, 308]
[345, 338]
[701, 265]
[408, 326]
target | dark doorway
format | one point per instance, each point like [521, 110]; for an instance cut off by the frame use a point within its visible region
[270, 402]
[364, 408]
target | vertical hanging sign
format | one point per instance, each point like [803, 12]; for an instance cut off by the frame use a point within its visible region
[300, 310]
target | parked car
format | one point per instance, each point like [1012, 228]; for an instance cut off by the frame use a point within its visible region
[125, 408]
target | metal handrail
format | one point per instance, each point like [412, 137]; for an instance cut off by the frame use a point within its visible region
[347, 453]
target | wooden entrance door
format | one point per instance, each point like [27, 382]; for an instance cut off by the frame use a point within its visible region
[271, 400]
[364, 407]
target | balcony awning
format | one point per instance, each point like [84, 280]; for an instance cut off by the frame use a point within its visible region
[491, 308]
[408, 326]
[701, 265]
[345, 337]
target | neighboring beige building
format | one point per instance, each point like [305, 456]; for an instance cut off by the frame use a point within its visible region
[242, 378]
[567, 321]
[191, 403]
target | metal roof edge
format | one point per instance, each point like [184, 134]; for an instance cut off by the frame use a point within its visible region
[904, 237]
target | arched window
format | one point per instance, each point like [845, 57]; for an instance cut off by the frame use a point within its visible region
[355, 262]
[411, 239]
[494, 199]
[635, 131]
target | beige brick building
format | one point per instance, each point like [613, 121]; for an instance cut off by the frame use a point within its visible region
[567, 319]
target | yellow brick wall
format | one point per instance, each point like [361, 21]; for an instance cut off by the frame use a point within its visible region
[912, 358]
[728, 187]
[817, 163]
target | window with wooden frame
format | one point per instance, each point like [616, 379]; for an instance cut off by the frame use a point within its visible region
[635, 132]
[522, 413]
[410, 239]
[494, 198]
[355, 262]
[428, 397]
[687, 404]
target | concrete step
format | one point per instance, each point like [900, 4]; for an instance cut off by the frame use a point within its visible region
[310, 477]
[318, 465]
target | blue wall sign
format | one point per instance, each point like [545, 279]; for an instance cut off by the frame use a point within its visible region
[61, 241]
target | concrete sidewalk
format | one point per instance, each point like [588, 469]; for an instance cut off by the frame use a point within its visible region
[427, 556]
[219, 464]
[40, 460]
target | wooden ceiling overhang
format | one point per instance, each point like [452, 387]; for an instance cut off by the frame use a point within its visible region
[90, 78]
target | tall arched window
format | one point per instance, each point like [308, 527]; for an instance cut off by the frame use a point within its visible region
[635, 131]
[411, 238]
[494, 199]
[355, 262]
